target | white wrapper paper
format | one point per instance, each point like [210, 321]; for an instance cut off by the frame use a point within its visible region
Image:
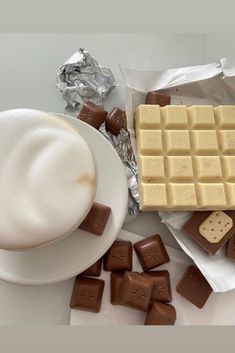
[204, 84]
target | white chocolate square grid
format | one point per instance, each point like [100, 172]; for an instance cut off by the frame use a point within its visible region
[201, 116]
[186, 157]
[174, 116]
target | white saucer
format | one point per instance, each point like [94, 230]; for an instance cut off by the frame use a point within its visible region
[67, 257]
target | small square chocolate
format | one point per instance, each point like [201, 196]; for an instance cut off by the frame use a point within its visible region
[162, 286]
[202, 224]
[115, 121]
[92, 114]
[231, 248]
[135, 290]
[93, 270]
[119, 256]
[116, 280]
[153, 97]
[161, 314]
[87, 294]
[96, 219]
[194, 287]
[151, 252]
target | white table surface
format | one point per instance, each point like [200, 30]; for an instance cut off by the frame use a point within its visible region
[28, 64]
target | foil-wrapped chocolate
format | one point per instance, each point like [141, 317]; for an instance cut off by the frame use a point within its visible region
[81, 78]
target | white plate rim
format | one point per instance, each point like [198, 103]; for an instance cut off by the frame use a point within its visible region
[11, 278]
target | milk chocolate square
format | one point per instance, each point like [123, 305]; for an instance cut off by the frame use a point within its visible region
[194, 287]
[151, 252]
[231, 248]
[119, 256]
[161, 314]
[153, 97]
[202, 224]
[135, 290]
[87, 294]
[92, 114]
[96, 219]
[93, 270]
[115, 121]
[162, 286]
[116, 280]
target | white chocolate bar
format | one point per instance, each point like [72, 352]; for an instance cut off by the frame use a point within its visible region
[186, 157]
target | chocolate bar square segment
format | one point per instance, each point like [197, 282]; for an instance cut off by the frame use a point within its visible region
[92, 114]
[231, 248]
[136, 290]
[194, 287]
[93, 270]
[96, 219]
[87, 294]
[211, 230]
[116, 280]
[151, 252]
[162, 286]
[161, 314]
[115, 121]
[153, 97]
[119, 256]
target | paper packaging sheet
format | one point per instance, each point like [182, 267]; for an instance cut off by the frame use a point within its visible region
[215, 312]
[205, 84]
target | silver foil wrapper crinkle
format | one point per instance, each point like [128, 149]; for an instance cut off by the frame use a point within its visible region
[81, 78]
[123, 147]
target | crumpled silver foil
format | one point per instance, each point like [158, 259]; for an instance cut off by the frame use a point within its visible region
[81, 78]
[123, 147]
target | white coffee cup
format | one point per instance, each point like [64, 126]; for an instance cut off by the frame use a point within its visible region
[47, 178]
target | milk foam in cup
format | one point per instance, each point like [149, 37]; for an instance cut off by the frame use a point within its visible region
[47, 178]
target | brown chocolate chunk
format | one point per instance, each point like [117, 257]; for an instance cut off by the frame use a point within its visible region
[119, 256]
[153, 97]
[161, 314]
[96, 219]
[92, 114]
[87, 294]
[151, 252]
[231, 248]
[162, 286]
[93, 270]
[115, 121]
[135, 290]
[116, 280]
[194, 287]
[192, 229]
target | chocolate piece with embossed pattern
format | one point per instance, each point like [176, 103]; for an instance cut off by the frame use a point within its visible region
[161, 314]
[87, 294]
[115, 121]
[92, 114]
[119, 256]
[194, 287]
[151, 252]
[153, 97]
[135, 290]
[96, 219]
[93, 270]
[115, 284]
[162, 285]
[231, 248]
